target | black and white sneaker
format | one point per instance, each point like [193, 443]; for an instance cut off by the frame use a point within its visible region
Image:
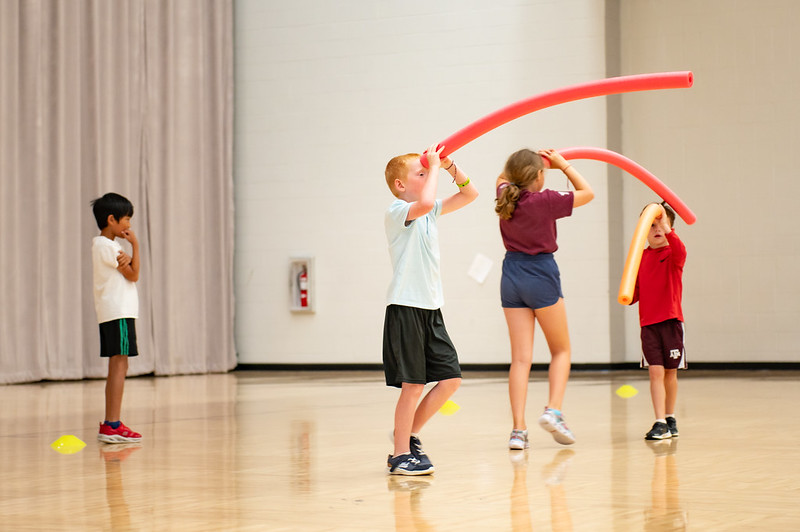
[416, 450]
[660, 431]
[406, 464]
[673, 426]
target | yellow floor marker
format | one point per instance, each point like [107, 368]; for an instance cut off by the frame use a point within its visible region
[627, 391]
[68, 444]
[449, 408]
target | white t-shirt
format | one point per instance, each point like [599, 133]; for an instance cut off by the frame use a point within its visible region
[414, 251]
[115, 297]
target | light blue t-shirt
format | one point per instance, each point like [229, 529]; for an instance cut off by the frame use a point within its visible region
[414, 251]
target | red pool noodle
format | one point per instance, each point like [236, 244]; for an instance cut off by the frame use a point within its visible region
[603, 87]
[637, 171]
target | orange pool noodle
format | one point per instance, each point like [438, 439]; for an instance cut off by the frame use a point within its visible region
[631, 269]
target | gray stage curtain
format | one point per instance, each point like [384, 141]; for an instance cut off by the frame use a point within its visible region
[134, 97]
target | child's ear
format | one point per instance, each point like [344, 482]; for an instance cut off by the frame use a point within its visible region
[110, 219]
[399, 185]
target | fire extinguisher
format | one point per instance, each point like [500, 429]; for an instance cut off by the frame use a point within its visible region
[302, 283]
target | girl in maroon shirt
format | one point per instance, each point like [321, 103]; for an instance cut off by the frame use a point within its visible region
[531, 287]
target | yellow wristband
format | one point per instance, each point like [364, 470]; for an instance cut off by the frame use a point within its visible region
[465, 183]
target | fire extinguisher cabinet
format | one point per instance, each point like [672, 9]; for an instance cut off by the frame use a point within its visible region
[301, 284]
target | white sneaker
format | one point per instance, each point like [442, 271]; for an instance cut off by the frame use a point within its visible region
[553, 422]
[518, 440]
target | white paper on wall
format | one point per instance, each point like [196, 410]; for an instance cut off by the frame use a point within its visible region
[480, 267]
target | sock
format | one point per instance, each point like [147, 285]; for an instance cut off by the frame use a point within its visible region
[671, 415]
[415, 435]
[113, 424]
[664, 421]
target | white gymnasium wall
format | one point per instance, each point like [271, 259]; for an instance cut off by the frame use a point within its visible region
[728, 148]
[328, 92]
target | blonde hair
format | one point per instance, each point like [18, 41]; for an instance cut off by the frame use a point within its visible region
[397, 168]
[522, 169]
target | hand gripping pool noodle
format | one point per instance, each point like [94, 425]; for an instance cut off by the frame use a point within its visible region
[637, 171]
[603, 87]
[631, 269]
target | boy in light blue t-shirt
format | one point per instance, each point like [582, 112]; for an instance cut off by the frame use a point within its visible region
[416, 346]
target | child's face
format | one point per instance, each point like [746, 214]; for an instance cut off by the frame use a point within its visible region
[415, 180]
[657, 238]
[119, 227]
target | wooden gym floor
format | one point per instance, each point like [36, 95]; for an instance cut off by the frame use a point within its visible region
[306, 451]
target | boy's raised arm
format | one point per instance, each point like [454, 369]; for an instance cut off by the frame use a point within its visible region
[467, 192]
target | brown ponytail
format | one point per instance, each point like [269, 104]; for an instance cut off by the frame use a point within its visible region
[522, 168]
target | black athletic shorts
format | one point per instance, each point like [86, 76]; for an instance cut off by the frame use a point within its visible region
[662, 345]
[118, 337]
[416, 347]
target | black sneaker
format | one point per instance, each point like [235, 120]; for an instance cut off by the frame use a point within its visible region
[418, 453]
[406, 464]
[660, 431]
[673, 426]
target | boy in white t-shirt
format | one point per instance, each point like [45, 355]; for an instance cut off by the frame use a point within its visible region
[117, 304]
[416, 346]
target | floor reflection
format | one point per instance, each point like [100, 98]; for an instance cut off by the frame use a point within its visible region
[665, 511]
[407, 491]
[553, 474]
[300, 445]
[113, 455]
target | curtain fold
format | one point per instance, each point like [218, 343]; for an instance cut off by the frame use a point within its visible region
[134, 97]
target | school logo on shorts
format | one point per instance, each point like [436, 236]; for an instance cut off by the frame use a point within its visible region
[675, 353]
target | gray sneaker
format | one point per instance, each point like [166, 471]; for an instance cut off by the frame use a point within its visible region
[553, 422]
[518, 440]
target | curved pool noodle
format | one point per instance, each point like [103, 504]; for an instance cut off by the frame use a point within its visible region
[603, 87]
[636, 170]
[631, 269]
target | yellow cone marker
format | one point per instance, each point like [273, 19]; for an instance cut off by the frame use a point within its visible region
[627, 391]
[449, 408]
[68, 444]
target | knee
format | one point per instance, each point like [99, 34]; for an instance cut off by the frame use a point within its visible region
[451, 385]
[413, 391]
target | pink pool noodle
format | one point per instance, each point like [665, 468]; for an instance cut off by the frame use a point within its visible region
[631, 270]
[637, 171]
[603, 87]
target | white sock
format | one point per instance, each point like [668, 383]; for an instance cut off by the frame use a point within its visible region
[416, 435]
[664, 421]
[671, 415]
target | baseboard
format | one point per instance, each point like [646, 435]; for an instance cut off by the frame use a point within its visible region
[616, 366]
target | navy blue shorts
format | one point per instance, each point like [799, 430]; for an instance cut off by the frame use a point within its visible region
[416, 347]
[530, 281]
[662, 345]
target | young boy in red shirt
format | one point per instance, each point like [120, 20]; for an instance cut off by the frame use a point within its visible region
[659, 287]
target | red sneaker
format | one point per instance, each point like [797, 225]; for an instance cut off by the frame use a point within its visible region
[121, 434]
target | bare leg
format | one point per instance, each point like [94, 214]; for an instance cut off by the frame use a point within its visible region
[553, 321]
[433, 401]
[521, 324]
[115, 385]
[404, 416]
[657, 391]
[671, 390]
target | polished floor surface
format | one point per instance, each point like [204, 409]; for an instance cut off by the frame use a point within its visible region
[306, 451]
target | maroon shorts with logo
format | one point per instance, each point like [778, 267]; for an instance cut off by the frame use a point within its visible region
[662, 345]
